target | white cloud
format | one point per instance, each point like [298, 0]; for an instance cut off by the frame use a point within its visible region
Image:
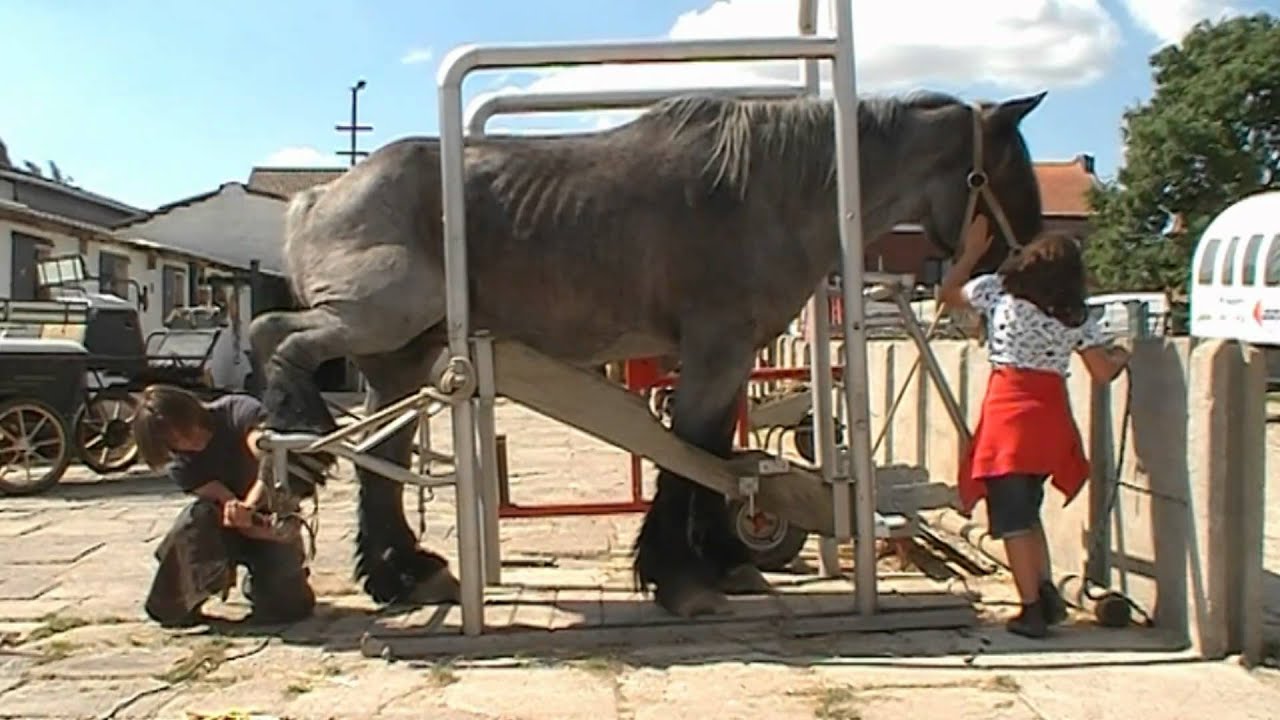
[1169, 20]
[1018, 45]
[299, 156]
[417, 55]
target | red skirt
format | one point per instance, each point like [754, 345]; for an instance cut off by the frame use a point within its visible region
[1025, 426]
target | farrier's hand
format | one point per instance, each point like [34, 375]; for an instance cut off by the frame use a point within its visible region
[236, 514]
[977, 238]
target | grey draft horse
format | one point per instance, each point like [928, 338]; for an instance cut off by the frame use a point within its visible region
[698, 230]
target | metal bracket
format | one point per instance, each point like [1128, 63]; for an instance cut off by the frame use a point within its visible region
[749, 486]
[458, 380]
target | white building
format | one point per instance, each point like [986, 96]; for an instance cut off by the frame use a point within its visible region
[200, 249]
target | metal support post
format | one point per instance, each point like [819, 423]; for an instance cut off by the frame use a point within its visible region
[824, 432]
[844, 86]
[470, 560]
[931, 365]
[486, 421]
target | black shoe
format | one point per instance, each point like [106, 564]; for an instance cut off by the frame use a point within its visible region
[1055, 608]
[1030, 622]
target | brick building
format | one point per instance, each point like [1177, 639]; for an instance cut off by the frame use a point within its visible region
[1064, 188]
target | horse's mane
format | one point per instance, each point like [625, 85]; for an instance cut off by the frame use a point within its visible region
[730, 138]
[730, 131]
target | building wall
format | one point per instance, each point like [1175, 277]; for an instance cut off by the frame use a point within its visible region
[235, 227]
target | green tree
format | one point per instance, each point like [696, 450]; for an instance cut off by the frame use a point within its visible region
[1209, 136]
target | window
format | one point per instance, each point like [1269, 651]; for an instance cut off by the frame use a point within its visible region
[1228, 275]
[1210, 256]
[26, 252]
[1251, 260]
[173, 281]
[113, 274]
[1272, 269]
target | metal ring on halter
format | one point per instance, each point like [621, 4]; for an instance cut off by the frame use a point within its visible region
[976, 179]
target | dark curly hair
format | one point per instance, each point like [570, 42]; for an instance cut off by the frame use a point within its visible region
[1049, 273]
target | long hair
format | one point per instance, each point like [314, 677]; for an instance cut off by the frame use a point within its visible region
[164, 409]
[1049, 273]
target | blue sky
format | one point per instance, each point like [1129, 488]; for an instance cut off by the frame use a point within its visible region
[149, 102]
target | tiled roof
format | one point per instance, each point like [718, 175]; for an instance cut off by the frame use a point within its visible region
[1064, 184]
[286, 181]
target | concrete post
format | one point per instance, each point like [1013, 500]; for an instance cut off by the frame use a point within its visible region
[1226, 457]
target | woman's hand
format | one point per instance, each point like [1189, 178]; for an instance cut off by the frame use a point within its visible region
[977, 239]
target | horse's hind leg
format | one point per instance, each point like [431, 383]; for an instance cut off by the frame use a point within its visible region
[686, 547]
[388, 560]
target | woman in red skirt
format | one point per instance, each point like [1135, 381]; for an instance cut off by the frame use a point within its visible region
[1036, 316]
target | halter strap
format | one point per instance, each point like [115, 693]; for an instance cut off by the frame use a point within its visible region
[977, 181]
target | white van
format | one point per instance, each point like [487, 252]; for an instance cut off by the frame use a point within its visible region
[1235, 274]
[1112, 312]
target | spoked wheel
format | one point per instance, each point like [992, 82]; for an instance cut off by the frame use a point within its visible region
[772, 541]
[103, 434]
[34, 447]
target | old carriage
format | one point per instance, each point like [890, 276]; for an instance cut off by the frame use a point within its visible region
[73, 365]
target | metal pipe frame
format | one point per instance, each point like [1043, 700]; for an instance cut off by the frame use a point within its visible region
[824, 432]
[478, 114]
[485, 107]
[460, 62]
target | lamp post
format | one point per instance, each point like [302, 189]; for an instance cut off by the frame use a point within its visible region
[354, 127]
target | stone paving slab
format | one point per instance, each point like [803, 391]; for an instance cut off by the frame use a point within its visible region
[26, 582]
[79, 699]
[58, 549]
[24, 610]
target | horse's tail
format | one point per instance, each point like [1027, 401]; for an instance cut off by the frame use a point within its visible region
[295, 219]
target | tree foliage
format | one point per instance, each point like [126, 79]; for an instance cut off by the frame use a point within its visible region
[1209, 136]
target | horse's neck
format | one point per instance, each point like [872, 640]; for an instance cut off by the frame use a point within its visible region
[891, 191]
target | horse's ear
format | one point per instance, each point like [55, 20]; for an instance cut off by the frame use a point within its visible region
[1010, 113]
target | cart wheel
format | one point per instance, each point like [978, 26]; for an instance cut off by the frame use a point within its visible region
[34, 447]
[102, 430]
[802, 437]
[772, 542]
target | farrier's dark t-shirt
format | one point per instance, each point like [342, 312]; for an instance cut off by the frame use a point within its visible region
[226, 458]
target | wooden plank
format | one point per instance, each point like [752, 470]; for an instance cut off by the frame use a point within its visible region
[502, 644]
[602, 409]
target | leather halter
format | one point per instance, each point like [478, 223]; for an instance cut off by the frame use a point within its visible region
[979, 184]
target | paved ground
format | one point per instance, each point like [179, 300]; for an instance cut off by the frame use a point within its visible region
[76, 563]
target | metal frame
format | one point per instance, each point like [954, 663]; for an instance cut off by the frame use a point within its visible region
[840, 50]
[468, 386]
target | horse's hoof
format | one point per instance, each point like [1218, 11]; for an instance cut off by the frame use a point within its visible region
[746, 579]
[441, 588]
[690, 601]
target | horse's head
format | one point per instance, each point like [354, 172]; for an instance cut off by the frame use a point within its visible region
[989, 172]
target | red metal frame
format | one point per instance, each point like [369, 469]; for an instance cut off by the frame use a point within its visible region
[639, 375]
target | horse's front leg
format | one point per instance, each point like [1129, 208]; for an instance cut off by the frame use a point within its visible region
[686, 548]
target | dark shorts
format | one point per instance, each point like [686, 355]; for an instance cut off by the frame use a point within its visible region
[1013, 504]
